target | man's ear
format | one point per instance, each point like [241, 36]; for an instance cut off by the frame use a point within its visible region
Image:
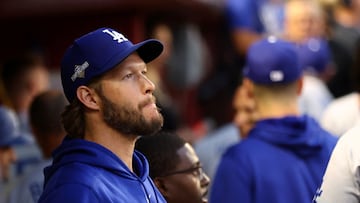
[88, 97]
[161, 185]
[249, 87]
[300, 85]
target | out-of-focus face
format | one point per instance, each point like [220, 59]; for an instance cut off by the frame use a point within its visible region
[356, 5]
[128, 104]
[163, 33]
[40, 79]
[244, 106]
[187, 183]
[303, 19]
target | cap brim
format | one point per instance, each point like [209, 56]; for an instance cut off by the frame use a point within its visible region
[149, 50]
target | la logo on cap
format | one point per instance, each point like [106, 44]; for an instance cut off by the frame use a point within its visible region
[116, 36]
[276, 75]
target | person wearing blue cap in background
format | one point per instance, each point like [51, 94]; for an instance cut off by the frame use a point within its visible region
[315, 60]
[111, 99]
[285, 154]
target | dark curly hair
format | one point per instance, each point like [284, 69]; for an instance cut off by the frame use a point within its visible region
[160, 150]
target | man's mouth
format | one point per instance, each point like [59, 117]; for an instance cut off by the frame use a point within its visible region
[204, 197]
[148, 102]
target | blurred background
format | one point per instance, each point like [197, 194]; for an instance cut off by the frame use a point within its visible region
[194, 33]
[197, 75]
[205, 44]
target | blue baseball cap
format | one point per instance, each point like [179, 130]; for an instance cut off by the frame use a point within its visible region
[314, 55]
[98, 52]
[272, 60]
[10, 133]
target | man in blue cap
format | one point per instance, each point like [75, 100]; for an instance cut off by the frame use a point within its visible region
[284, 155]
[111, 103]
[315, 60]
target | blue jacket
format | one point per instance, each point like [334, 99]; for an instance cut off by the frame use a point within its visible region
[84, 171]
[281, 161]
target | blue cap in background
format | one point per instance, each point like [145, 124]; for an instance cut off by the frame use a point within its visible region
[314, 55]
[10, 133]
[272, 60]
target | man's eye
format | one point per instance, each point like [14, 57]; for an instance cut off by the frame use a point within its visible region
[197, 171]
[128, 76]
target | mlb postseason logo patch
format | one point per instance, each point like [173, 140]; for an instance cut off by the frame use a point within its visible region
[116, 36]
[79, 71]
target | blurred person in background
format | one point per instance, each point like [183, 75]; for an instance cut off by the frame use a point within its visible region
[344, 112]
[212, 146]
[175, 168]
[45, 115]
[176, 73]
[250, 20]
[315, 60]
[23, 77]
[246, 172]
[157, 73]
[303, 19]
[246, 22]
[10, 138]
[341, 179]
[343, 25]
[304, 25]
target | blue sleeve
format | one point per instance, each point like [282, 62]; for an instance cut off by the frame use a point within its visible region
[243, 14]
[70, 193]
[232, 181]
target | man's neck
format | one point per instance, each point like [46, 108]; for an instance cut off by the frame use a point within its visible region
[121, 145]
[278, 110]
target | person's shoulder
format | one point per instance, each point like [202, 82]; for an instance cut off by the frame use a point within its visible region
[243, 148]
[71, 177]
[345, 102]
[320, 131]
[69, 192]
[352, 136]
[74, 172]
[223, 136]
[313, 82]
[315, 86]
